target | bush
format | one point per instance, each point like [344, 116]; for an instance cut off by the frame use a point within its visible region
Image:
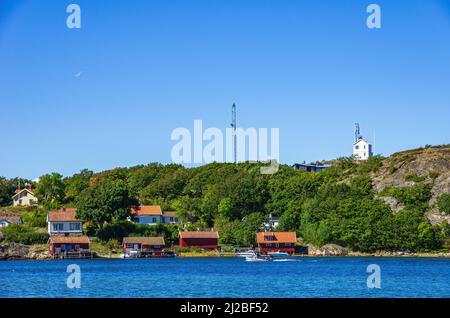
[370, 165]
[443, 203]
[36, 218]
[416, 197]
[24, 235]
[119, 230]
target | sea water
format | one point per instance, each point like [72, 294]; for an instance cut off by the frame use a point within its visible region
[227, 277]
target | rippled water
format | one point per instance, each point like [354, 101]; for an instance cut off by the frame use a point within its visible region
[227, 277]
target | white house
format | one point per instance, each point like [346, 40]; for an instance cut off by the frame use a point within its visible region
[170, 217]
[147, 214]
[7, 220]
[272, 223]
[362, 149]
[64, 221]
[24, 197]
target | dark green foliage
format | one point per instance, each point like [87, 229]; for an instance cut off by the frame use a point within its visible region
[50, 189]
[240, 233]
[443, 203]
[123, 229]
[370, 165]
[107, 201]
[23, 234]
[35, 217]
[6, 192]
[416, 197]
[337, 205]
[76, 184]
[415, 178]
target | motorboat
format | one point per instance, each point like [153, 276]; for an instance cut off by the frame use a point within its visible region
[249, 253]
[130, 254]
[256, 259]
[278, 254]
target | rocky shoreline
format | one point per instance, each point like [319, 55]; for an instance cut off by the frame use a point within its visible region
[16, 251]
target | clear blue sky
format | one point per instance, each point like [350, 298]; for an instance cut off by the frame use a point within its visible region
[309, 68]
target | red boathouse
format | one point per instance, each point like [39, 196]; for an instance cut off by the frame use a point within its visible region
[276, 241]
[152, 245]
[206, 240]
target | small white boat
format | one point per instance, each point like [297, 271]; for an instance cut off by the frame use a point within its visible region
[130, 254]
[255, 259]
[278, 254]
[249, 253]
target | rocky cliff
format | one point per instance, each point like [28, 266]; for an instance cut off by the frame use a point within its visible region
[430, 166]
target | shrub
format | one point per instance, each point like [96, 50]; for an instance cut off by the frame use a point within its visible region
[391, 168]
[119, 230]
[433, 175]
[36, 218]
[370, 165]
[443, 203]
[416, 197]
[414, 177]
[24, 235]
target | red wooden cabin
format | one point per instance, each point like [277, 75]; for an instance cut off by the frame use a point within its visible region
[62, 244]
[276, 241]
[206, 240]
[153, 245]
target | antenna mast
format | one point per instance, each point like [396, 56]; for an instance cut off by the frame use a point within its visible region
[357, 132]
[233, 126]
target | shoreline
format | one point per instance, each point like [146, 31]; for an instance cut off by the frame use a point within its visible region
[351, 255]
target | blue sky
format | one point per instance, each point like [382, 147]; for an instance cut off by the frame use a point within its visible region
[310, 68]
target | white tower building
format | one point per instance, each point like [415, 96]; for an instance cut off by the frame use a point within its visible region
[362, 149]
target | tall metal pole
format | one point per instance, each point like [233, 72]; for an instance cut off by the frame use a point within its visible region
[233, 125]
[357, 132]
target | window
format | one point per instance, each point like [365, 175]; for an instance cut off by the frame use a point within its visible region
[171, 219]
[58, 227]
[75, 226]
[156, 246]
[287, 244]
[268, 244]
[356, 147]
[269, 238]
[154, 220]
[77, 247]
[176, 220]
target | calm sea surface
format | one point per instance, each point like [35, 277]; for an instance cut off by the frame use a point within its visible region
[227, 277]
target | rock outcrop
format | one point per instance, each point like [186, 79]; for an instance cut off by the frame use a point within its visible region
[16, 251]
[327, 250]
[13, 251]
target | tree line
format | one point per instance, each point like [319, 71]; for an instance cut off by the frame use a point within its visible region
[236, 200]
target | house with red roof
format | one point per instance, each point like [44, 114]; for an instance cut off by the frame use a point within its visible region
[24, 197]
[276, 241]
[67, 246]
[64, 222]
[199, 239]
[151, 246]
[147, 214]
